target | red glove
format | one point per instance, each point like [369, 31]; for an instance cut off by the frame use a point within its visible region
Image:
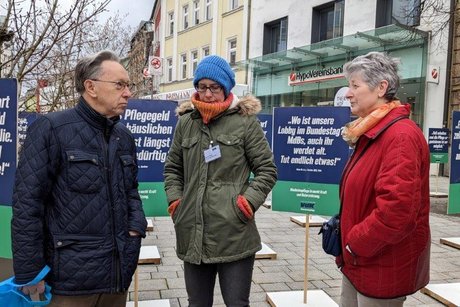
[245, 207]
[172, 207]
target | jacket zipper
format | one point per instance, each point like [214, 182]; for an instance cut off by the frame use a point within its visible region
[114, 242]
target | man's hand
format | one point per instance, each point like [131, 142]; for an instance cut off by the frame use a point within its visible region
[133, 233]
[34, 290]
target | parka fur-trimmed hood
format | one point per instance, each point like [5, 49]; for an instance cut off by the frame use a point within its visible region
[247, 105]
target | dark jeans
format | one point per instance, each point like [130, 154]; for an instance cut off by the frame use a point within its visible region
[234, 279]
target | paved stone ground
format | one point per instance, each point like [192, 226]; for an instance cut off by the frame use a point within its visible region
[286, 273]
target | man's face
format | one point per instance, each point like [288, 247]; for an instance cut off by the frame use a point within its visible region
[111, 89]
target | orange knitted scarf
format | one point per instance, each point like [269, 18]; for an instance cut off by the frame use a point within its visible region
[353, 130]
[210, 110]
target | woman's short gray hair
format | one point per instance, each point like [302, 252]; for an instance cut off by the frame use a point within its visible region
[373, 68]
[90, 67]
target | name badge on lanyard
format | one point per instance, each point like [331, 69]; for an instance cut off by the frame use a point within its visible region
[212, 153]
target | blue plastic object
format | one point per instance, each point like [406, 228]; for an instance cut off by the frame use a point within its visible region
[12, 296]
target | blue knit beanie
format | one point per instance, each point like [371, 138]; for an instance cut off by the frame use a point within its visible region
[217, 69]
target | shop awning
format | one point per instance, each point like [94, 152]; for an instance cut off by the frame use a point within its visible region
[386, 38]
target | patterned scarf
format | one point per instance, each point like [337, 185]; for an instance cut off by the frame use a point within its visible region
[353, 130]
[210, 110]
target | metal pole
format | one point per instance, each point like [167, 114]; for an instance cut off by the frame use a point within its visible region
[153, 86]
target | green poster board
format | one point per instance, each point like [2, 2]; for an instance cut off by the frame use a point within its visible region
[438, 142]
[8, 149]
[439, 157]
[5, 232]
[454, 187]
[310, 155]
[304, 197]
[152, 124]
[153, 198]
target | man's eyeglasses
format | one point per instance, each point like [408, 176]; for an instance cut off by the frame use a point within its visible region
[214, 88]
[119, 85]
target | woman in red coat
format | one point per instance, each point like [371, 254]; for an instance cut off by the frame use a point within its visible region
[384, 191]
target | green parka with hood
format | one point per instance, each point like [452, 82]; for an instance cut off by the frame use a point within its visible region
[210, 228]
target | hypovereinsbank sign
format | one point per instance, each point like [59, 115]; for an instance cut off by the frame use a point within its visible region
[315, 75]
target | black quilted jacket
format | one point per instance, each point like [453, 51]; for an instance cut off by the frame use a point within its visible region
[75, 199]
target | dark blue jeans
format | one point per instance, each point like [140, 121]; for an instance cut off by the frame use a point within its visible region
[234, 279]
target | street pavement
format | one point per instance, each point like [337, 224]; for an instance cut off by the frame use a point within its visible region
[286, 273]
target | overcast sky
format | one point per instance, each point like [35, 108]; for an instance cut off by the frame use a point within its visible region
[137, 10]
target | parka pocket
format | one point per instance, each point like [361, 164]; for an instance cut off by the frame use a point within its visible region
[84, 174]
[176, 213]
[231, 148]
[229, 140]
[82, 261]
[238, 212]
[189, 142]
[129, 171]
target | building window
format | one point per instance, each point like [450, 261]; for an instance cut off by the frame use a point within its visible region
[208, 9]
[233, 4]
[196, 12]
[232, 51]
[327, 21]
[205, 51]
[406, 12]
[194, 61]
[275, 36]
[183, 63]
[185, 16]
[171, 23]
[170, 68]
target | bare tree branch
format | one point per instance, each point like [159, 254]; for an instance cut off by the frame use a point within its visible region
[49, 39]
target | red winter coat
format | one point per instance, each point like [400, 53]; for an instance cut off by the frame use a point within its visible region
[385, 209]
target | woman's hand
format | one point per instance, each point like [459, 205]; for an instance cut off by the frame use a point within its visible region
[245, 207]
[172, 207]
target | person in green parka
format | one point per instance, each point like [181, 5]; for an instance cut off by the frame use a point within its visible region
[218, 142]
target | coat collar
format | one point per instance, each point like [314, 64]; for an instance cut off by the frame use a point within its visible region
[94, 118]
[399, 112]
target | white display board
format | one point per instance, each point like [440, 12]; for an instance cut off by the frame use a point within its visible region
[454, 242]
[266, 253]
[315, 220]
[154, 303]
[448, 294]
[315, 298]
[149, 255]
[149, 224]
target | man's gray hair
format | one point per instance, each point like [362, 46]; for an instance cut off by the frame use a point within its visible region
[373, 68]
[90, 68]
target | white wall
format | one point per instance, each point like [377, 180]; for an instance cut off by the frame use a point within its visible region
[435, 93]
[299, 14]
[359, 16]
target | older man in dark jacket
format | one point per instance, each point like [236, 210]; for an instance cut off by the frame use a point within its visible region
[76, 207]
